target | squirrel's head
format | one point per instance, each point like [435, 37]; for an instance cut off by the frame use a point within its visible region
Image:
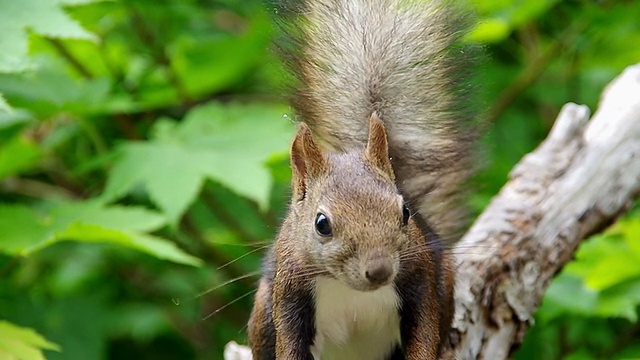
[348, 214]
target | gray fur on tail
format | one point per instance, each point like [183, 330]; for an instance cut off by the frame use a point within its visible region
[399, 58]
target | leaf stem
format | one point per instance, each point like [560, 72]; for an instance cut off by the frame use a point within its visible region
[71, 59]
[534, 69]
[36, 189]
[159, 54]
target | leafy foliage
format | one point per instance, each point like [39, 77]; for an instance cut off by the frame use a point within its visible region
[25, 230]
[204, 145]
[4, 107]
[601, 290]
[44, 17]
[22, 344]
[137, 137]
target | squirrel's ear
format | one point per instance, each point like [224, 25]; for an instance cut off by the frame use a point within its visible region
[307, 161]
[377, 152]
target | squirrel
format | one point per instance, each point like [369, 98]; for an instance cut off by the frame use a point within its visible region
[360, 268]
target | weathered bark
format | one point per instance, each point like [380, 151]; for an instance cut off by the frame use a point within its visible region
[578, 181]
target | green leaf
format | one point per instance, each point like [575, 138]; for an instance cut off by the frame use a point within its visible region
[24, 230]
[629, 229]
[114, 217]
[604, 281]
[613, 270]
[44, 17]
[505, 16]
[140, 321]
[4, 105]
[17, 155]
[21, 229]
[567, 294]
[581, 354]
[234, 56]
[49, 89]
[15, 119]
[172, 175]
[149, 244]
[229, 144]
[22, 343]
[607, 260]
[620, 301]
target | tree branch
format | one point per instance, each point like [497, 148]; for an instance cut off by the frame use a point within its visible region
[579, 180]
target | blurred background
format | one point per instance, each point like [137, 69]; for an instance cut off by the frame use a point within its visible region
[143, 170]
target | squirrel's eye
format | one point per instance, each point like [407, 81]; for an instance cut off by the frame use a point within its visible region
[405, 215]
[323, 227]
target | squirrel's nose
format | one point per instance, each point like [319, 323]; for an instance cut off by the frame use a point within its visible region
[378, 271]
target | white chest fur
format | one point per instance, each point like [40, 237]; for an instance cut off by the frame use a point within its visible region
[351, 324]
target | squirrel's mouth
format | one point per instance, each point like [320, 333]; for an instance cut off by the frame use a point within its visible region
[368, 273]
[376, 279]
[365, 285]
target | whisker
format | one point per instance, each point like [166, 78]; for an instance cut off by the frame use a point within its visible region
[229, 304]
[242, 256]
[250, 244]
[243, 328]
[428, 245]
[308, 274]
[415, 253]
[255, 273]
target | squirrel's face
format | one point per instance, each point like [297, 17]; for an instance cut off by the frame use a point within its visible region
[347, 211]
[354, 225]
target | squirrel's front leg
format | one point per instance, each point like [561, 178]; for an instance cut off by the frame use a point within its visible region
[421, 317]
[294, 318]
[420, 338]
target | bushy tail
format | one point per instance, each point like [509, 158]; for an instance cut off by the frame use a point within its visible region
[401, 59]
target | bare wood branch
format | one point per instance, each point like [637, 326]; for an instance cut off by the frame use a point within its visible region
[579, 180]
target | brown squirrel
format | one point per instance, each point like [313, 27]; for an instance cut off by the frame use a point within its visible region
[360, 268]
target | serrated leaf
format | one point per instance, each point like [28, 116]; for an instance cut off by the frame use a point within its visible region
[44, 17]
[23, 230]
[229, 144]
[22, 343]
[172, 175]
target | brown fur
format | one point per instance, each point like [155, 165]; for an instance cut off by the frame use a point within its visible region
[357, 192]
[403, 60]
[382, 101]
